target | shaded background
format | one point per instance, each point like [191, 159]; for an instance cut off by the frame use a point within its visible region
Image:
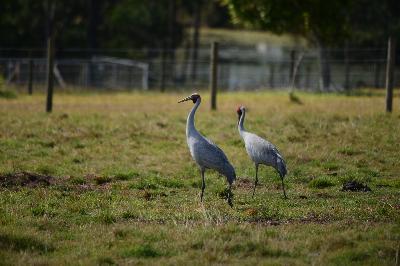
[131, 44]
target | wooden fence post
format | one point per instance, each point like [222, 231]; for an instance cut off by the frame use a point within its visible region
[50, 74]
[50, 56]
[391, 50]
[214, 74]
[30, 77]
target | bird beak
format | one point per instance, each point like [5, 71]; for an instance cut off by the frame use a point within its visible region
[186, 99]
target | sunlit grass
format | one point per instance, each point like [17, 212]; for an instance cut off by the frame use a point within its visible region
[127, 191]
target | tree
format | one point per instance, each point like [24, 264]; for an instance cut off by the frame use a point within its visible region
[136, 23]
[323, 23]
[371, 22]
[23, 23]
[92, 24]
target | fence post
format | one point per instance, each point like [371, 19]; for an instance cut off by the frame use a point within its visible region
[30, 77]
[391, 50]
[214, 74]
[50, 56]
[50, 74]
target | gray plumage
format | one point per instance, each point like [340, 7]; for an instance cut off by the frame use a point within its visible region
[261, 151]
[205, 153]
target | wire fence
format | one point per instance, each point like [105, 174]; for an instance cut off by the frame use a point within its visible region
[244, 68]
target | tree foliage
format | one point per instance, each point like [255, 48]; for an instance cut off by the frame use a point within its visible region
[319, 21]
[142, 23]
[118, 23]
[373, 21]
[24, 23]
[323, 22]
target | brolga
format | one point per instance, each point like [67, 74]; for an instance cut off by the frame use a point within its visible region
[261, 151]
[205, 153]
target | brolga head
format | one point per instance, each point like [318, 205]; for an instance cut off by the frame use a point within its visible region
[241, 109]
[194, 97]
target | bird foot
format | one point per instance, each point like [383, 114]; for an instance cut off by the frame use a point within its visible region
[230, 202]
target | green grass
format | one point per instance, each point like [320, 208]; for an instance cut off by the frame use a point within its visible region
[126, 190]
[7, 94]
[321, 182]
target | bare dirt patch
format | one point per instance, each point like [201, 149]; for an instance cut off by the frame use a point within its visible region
[310, 218]
[25, 179]
[264, 221]
[245, 182]
[34, 180]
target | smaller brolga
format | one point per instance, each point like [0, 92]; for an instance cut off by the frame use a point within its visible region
[261, 151]
[205, 153]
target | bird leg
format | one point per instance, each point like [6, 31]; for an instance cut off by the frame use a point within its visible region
[256, 181]
[203, 184]
[283, 187]
[230, 195]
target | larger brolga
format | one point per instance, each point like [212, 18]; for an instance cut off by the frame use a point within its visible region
[261, 151]
[206, 154]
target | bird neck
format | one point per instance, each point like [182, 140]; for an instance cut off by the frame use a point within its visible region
[190, 120]
[240, 123]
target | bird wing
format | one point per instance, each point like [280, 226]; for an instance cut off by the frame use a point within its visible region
[271, 156]
[261, 150]
[211, 156]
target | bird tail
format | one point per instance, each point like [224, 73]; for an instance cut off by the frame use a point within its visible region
[281, 166]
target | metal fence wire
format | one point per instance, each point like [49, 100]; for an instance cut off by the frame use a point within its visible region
[249, 68]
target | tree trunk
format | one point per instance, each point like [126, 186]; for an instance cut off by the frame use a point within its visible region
[92, 36]
[292, 66]
[186, 63]
[196, 36]
[346, 68]
[272, 75]
[93, 22]
[307, 81]
[391, 55]
[30, 77]
[171, 39]
[324, 68]
[377, 83]
[163, 67]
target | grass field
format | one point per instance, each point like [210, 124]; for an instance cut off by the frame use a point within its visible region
[122, 187]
